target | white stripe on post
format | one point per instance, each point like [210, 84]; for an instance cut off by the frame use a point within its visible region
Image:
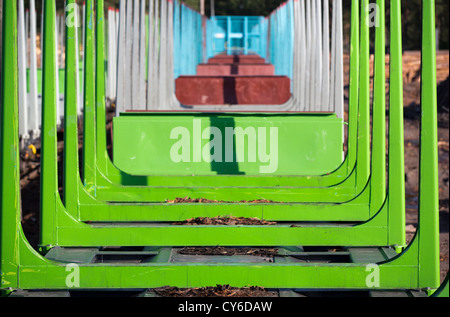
[163, 56]
[156, 49]
[127, 75]
[34, 114]
[332, 104]
[142, 50]
[318, 56]
[326, 58]
[135, 63]
[170, 74]
[110, 58]
[120, 99]
[114, 53]
[339, 79]
[27, 35]
[303, 52]
[59, 113]
[150, 58]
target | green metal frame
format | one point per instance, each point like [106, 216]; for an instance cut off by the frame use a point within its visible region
[80, 206]
[108, 177]
[87, 205]
[21, 267]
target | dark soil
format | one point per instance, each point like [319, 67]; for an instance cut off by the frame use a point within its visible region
[187, 200]
[222, 251]
[218, 291]
[443, 103]
[225, 221]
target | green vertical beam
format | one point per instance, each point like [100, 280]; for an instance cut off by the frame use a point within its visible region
[364, 100]
[49, 154]
[396, 167]
[428, 177]
[89, 153]
[378, 161]
[354, 87]
[9, 156]
[100, 115]
[71, 167]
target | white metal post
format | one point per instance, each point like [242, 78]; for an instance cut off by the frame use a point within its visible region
[23, 102]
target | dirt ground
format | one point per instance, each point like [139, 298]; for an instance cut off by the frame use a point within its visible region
[225, 221]
[186, 200]
[263, 252]
[30, 179]
[218, 291]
